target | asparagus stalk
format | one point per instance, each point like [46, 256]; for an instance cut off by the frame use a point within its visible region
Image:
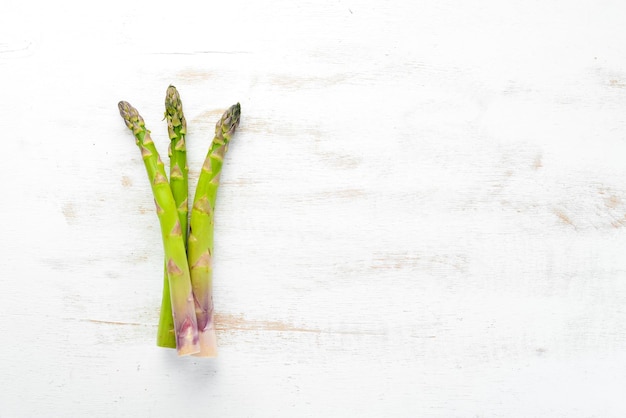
[177, 129]
[185, 322]
[200, 244]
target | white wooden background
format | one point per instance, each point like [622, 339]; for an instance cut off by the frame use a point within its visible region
[423, 213]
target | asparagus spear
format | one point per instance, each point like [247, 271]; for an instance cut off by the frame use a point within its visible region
[177, 129]
[200, 245]
[185, 322]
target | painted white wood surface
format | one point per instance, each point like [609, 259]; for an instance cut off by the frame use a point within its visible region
[422, 215]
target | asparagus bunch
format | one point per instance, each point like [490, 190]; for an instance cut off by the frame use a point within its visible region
[183, 312]
[186, 320]
[200, 245]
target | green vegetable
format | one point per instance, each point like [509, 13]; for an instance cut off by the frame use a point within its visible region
[200, 244]
[179, 183]
[185, 322]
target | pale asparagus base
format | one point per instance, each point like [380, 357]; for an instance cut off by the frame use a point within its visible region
[208, 342]
[188, 346]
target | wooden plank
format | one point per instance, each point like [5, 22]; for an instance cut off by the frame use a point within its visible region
[422, 213]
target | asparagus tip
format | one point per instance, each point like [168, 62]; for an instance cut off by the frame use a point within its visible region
[226, 126]
[124, 108]
[174, 111]
[131, 116]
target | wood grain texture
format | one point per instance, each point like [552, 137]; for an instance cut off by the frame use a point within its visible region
[423, 212]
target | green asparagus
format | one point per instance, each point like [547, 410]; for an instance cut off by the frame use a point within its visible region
[185, 322]
[200, 244]
[177, 151]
